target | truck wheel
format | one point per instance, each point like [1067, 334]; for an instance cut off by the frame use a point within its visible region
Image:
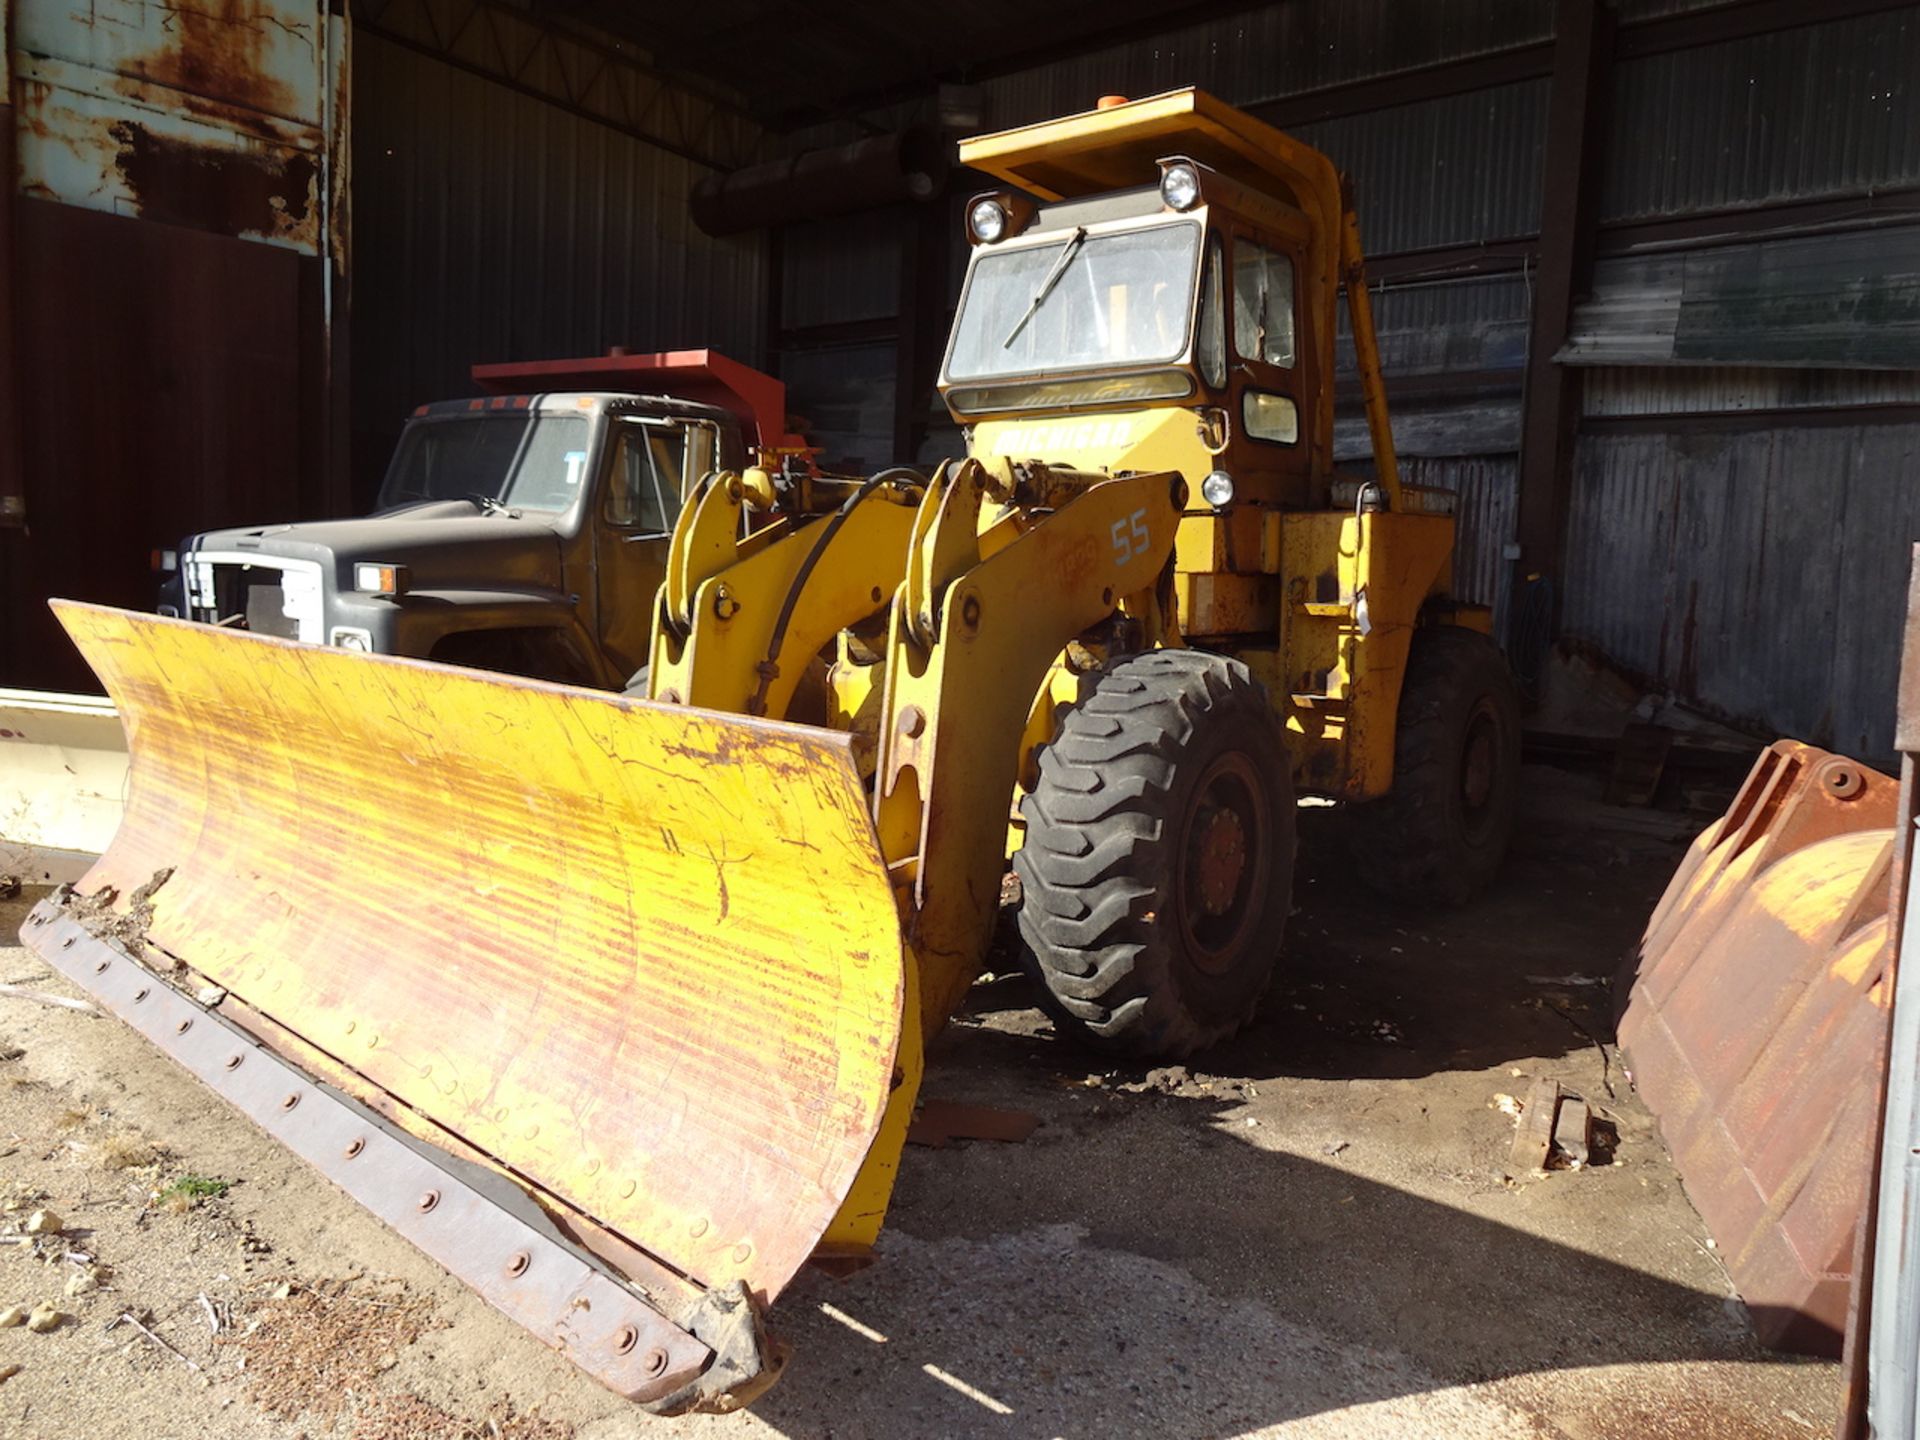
[1157, 870]
[1441, 833]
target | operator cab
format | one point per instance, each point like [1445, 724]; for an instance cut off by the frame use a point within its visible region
[1155, 256]
[1176, 293]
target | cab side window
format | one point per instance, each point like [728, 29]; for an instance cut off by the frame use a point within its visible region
[1262, 304]
[1212, 349]
[703, 444]
[643, 489]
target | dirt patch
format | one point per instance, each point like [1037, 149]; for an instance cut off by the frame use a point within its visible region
[164, 1309]
[317, 1352]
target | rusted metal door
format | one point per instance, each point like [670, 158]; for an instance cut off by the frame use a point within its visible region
[177, 236]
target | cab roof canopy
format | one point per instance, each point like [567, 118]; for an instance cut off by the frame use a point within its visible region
[1115, 149]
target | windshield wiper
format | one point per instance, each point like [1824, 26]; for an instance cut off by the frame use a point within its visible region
[489, 505]
[1060, 263]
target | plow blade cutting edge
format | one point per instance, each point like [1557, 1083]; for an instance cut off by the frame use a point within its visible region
[642, 962]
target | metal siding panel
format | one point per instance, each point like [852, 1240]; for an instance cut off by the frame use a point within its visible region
[1715, 390]
[215, 121]
[1759, 576]
[493, 227]
[1487, 486]
[841, 270]
[1817, 110]
[1478, 323]
[1273, 51]
[1842, 300]
[1450, 171]
[847, 396]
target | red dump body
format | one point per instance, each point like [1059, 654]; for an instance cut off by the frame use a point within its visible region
[705, 376]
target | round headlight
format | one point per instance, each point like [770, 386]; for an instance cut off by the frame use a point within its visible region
[1217, 489]
[988, 220]
[1180, 186]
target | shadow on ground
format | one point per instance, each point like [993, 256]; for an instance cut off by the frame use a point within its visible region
[1152, 1263]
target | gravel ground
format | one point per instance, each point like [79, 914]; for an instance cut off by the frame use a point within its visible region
[1311, 1232]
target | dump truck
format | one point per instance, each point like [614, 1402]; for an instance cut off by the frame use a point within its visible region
[523, 530]
[615, 1005]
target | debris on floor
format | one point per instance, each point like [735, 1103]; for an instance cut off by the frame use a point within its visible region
[938, 1123]
[1555, 1130]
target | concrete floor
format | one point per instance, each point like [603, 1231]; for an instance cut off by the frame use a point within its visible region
[1311, 1232]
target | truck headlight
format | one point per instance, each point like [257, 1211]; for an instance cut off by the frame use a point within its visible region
[349, 638]
[1217, 489]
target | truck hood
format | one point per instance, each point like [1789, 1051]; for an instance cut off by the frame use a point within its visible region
[444, 545]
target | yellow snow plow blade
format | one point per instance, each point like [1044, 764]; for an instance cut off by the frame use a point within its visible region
[644, 959]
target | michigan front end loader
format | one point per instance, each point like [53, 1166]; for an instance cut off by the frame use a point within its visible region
[615, 1005]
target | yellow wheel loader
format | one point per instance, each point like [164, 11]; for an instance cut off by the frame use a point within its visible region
[615, 1004]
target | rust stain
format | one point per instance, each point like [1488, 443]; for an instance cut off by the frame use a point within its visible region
[30, 113]
[233, 192]
[277, 129]
[221, 52]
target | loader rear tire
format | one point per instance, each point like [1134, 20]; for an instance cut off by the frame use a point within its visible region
[1157, 870]
[1440, 835]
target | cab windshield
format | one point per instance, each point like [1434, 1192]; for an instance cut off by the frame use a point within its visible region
[1082, 302]
[526, 460]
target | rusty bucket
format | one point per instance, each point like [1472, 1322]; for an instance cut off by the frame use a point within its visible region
[1754, 1028]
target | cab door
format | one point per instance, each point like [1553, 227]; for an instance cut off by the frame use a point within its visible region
[651, 465]
[1269, 400]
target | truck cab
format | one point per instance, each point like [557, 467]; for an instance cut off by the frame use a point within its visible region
[524, 530]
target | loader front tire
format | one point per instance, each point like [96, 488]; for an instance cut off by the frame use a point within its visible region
[1441, 833]
[1157, 870]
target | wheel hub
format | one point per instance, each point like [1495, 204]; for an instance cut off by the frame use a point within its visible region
[1477, 765]
[1220, 861]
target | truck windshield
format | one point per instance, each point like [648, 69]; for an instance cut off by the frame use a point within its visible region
[1083, 302]
[530, 460]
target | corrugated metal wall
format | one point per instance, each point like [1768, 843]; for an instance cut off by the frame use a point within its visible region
[1761, 574]
[1450, 171]
[1724, 365]
[1277, 50]
[1818, 110]
[494, 227]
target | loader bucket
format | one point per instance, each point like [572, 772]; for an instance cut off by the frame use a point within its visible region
[1755, 1026]
[645, 961]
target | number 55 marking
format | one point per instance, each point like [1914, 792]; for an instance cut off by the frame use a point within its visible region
[1130, 536]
